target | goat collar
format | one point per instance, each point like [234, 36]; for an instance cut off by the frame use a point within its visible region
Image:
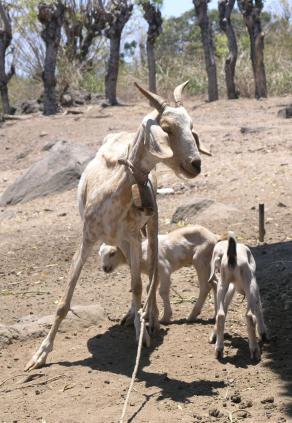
[140, 177]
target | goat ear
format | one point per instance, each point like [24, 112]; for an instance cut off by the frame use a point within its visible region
[200, 146]
[157, 141]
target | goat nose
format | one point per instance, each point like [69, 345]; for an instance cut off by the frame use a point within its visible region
[196, 164]
[106, 269]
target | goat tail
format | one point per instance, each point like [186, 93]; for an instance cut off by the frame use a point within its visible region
[231, 250]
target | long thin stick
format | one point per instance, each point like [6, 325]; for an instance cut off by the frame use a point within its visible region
[142, 312]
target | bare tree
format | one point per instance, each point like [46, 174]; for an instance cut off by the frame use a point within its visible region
[119, 13]
[51, 16]
[251, 12]
[201, 9]
[84, 21]
[152, 15]
[225, 8]
[5, 40]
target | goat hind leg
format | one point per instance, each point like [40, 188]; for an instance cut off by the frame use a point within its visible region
[203, 271]
[255, 353]
[40, 356]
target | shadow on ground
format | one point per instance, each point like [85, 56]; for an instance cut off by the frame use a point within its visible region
[274, 276]
[114, 351]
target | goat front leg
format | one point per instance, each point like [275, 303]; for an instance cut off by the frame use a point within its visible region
[40, 356]
[136, 286]
[164, 289]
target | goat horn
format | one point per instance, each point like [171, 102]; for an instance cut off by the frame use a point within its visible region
[155, 100]
[178, 92]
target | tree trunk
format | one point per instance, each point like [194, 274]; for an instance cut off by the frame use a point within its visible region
[151, 66]
[251, 15]
[52, 18]
[49, 79]
[111, 77]
[225, 8]
[5, 40]
[152, 15]
[201, 8]
[117, 17]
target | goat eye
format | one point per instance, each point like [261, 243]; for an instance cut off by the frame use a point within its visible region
[112, 253]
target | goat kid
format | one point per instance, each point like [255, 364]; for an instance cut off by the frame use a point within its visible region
[236, 266]
[106, 201]
[192, 245]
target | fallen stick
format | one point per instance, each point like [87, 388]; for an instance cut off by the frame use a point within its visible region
[31, 385]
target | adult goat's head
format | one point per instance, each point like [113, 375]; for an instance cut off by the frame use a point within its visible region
[170, 136]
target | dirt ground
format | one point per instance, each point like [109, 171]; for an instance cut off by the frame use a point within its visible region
[88, 373]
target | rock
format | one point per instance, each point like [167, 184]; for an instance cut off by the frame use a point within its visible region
[30, 106]
[280, 204]
[185, 213]
[215, 412]
[165, 191]
[60, 170]
[83, 316]
[285, 113]
[235, 398]
[66, 100]
[202, 211]
[267, 400]
[246, 404]
[242, 414]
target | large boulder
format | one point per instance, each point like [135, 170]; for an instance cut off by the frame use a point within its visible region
[59, 171]
[186, 212]
[203, 211]
[35, 326]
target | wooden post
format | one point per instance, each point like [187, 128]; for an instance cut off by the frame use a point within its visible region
[261, 222]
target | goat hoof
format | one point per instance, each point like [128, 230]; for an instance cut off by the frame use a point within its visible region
[154, 327]
[255, 354]
[192, 319]
[212, 338]
[219, 353]
[128, 320]
[146, 339]
[36, 362]
[164, 321]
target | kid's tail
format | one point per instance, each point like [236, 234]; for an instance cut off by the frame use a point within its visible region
[231, 250]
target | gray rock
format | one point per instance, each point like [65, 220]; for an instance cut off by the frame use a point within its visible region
[66, 100]
[33, 327]
[186, 212]
[59, 171]
[31, 106]
[285, 113]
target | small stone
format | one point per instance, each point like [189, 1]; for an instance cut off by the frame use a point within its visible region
[246, 404]
[236, 398]
[214, 412]
[37, 392]
[280, 204]
[242, 414]
[267, 400]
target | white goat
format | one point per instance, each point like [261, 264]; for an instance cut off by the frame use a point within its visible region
[236, 267]
[106, 203]
[192, 245]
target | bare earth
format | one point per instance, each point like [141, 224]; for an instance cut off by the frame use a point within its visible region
[179, 380]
